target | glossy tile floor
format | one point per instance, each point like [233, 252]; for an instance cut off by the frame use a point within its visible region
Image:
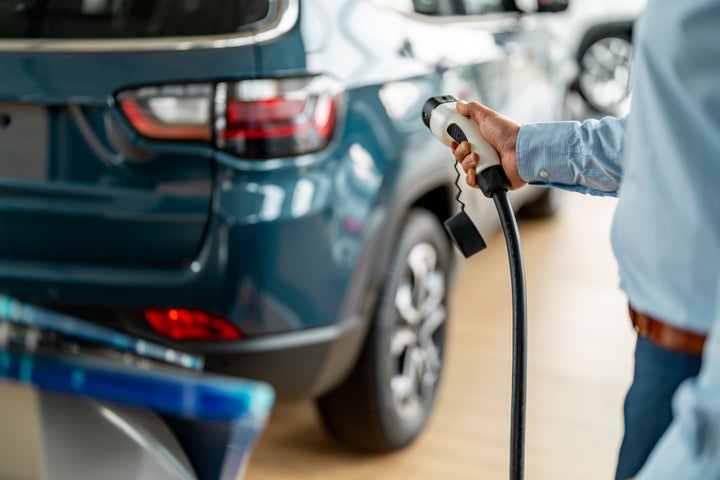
[579, 357]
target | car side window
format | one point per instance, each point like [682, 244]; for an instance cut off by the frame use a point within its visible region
[479, 7]
[437, 7]
[462, 7]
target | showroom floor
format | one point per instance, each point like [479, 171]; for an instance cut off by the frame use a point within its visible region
[579, 357]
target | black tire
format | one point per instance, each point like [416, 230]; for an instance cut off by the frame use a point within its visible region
[604, 78]
[545, 206]
[378, 408]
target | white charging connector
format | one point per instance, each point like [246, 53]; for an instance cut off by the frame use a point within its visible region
[448, 125]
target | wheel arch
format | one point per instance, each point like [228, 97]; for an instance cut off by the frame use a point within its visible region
[604, 30]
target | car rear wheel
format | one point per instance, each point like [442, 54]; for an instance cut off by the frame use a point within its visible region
[604, 79]
[386, 400]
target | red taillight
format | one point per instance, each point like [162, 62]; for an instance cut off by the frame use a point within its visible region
[181, 324]
[260, 119]
[276, 118]
[265, 118]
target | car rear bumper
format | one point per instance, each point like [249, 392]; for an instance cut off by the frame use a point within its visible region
[301, 364]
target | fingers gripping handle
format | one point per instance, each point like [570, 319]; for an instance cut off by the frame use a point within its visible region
[444, 121]
[447, 124]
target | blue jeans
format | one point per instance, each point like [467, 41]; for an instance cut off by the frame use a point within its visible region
[648, 404]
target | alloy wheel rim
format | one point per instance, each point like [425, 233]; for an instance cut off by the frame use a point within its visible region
[415, 344]
[605, 76]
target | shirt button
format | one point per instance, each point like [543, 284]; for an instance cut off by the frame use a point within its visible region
[544, 174]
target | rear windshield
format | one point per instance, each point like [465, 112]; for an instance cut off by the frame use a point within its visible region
[127, 18]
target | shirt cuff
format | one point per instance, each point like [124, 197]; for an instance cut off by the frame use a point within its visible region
[543, 151]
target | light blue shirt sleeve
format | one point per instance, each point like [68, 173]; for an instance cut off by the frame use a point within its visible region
[584, 157]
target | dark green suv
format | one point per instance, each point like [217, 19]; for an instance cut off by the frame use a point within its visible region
[251, 180]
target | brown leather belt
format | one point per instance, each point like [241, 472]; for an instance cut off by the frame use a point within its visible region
[667, 336]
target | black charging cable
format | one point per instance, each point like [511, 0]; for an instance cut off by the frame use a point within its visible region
[519, 341]
[494, 184]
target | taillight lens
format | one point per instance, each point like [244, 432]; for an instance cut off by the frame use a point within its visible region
[275, 118]
[181, 324]
[173, 112]
[258, 119]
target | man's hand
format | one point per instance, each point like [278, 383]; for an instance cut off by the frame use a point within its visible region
[499, 131]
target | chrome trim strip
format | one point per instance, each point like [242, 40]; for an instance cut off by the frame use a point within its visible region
[286, 15]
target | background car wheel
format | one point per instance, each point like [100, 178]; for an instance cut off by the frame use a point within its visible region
[604, 79]
[387, 398]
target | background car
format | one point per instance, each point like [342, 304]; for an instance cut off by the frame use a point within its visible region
[252, 181]
[600, 37]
